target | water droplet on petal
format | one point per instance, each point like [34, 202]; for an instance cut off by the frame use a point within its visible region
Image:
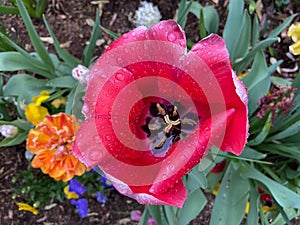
[120, 76]
[160, 27]
[95, 155]
[171, 37]
[97, 139]
[171, 167]
[85, 109]
[108, 138]
[182, 43]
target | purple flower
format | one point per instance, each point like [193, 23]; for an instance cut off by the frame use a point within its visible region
[105, 182]
[76, 186]
[136, 215]
[81, 206]
[101, 197]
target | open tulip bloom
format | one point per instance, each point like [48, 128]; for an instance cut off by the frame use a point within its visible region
[153, 110]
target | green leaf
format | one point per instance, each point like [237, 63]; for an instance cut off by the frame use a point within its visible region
[292, 130]
[211, 21]
[63, 53]
[77, 102]
[70, 101]
[275, 32]
[274, 66]
[291, 213]
[145, 217]
[234, 25]
[21, 124]
[258, 81]
[279, 81]
[17, 139]
[284, 196]
[250, 153]
[156, 212]
[25, 87]
[195, 180]
[193, 205]
[296, 81]
[111, 33]
[14, 61]
[36, 65]
[290, 150]
[89, 49]
[242, 64]
[171, 215]
[8, 10]
[40, 8]
[202, 29]
[230, 202]
[242, 46]
[34, 37]
[263, 133]
[62, 82]
[183, 10]
[252, 218]
[255, 31]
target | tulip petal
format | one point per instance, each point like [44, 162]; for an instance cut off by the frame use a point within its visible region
[190, 151]
[174, 197]
[167, 30]
[212, 50]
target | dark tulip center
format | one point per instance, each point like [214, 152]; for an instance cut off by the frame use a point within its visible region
[164, 127]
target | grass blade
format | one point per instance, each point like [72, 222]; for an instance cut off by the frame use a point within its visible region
[63, 53]
[96, 33]
[35, 39]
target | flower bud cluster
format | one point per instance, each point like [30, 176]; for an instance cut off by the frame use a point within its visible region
[279, 101]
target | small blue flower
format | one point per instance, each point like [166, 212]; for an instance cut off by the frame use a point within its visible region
[76, 186]
[106, 183]
[101, 197]
[81, 206]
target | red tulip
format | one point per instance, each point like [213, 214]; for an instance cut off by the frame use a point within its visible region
[153, 111]
[219, 167]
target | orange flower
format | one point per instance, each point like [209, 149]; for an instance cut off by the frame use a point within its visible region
[51, 142]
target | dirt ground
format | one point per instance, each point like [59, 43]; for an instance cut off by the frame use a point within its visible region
[68, 20]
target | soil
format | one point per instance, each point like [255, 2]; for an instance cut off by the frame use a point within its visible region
[68, 19]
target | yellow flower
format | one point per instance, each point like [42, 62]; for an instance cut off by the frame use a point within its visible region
[26, 207]
[295, 48]
[70, 195]
[216, 189]
[58, 102]
[268, 208]
[44, 95]
[34, 112]
[241, 75]
[294, 33]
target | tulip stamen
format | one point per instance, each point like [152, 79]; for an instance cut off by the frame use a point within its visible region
[161, 109]
[170, 124]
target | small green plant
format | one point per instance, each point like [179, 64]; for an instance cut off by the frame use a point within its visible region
[35, 8]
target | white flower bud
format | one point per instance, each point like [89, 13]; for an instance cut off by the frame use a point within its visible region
[146, 15]
[80, 73]
[8, 131]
